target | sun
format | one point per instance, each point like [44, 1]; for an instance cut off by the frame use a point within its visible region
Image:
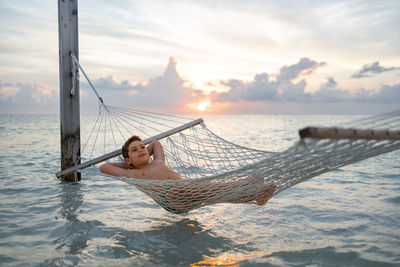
[203, 105]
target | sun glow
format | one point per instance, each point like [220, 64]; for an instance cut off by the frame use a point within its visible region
[207, 106]
[203, 105]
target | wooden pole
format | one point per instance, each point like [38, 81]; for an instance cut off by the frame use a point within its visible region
[69, 101]
[348, 133]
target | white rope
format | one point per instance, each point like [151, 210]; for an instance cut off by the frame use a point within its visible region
[75, 77]
[87, 78]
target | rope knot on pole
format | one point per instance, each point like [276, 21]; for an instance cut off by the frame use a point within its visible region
[75, 75]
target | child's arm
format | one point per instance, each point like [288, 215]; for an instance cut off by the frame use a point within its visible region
[116, 169]
[155, 148]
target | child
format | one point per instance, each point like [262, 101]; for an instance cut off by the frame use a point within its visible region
[137, 165]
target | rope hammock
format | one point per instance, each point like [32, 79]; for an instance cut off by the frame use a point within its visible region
[215, 170]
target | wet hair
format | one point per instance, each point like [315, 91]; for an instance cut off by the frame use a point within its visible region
[125, 147]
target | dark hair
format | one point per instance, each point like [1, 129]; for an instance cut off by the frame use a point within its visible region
[125, 147]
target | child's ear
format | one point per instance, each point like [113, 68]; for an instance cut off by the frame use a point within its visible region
[127, 161]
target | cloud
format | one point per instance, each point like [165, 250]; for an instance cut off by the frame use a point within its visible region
[7, 90]
[111, 83]
[283, 88]
[305, 65]
[167, 91]
[280, 87]
[386, 94]
[259, 89]
[369, 70]
[330, 93]
[27, 97]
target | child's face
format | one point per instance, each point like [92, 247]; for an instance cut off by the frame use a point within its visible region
[138, 154]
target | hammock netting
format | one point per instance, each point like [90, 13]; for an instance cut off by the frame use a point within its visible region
[215, 170]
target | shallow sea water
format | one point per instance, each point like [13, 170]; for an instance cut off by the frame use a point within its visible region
[348, 217]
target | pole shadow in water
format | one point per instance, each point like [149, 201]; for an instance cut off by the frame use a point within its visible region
[71, 198]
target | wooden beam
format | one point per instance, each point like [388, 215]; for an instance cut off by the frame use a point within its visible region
[118, 152]
[69, 102]
[348, 133]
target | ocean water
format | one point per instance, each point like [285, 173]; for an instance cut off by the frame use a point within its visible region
[348, 217]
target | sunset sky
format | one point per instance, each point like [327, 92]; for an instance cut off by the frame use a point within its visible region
[223, 56]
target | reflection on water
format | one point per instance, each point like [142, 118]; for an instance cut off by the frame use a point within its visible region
[227, 259]
[184, 241]
[171, 241]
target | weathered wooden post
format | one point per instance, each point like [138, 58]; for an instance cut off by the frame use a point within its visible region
[69, 99]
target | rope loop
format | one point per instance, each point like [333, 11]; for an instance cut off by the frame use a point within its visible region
[75, 76]
[78, 66]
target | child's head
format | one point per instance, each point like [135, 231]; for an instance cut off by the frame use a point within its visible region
[135, 152]
[125, 147]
